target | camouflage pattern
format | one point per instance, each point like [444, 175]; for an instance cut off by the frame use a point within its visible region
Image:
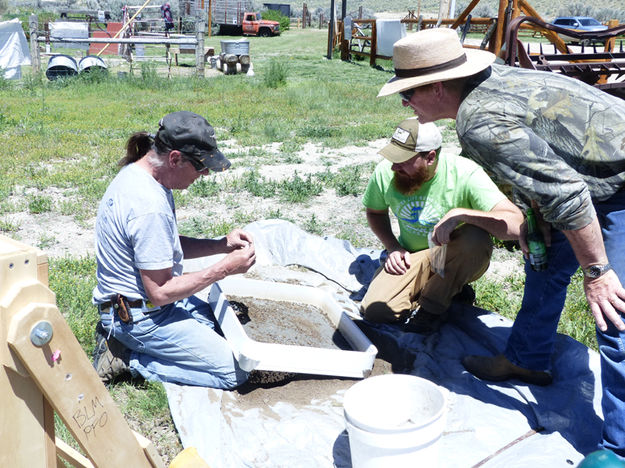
[556, 140]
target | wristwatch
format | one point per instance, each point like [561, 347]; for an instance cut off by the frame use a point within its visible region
[595, 271]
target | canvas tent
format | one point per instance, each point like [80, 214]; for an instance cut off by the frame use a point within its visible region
[14, 50]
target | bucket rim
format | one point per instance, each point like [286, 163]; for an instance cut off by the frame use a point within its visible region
[394, 429]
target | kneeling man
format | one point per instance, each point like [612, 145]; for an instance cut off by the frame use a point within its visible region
[430, 191]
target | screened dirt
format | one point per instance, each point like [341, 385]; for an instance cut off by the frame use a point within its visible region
[293, 324]
[286, 323]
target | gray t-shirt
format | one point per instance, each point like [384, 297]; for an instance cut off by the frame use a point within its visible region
[135, 230]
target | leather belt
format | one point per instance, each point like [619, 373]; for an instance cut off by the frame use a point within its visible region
[133, 304]
[121, 305]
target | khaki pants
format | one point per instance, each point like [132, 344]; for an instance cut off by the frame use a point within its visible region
[390, 298]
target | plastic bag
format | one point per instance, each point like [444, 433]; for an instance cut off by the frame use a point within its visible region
[438, 254]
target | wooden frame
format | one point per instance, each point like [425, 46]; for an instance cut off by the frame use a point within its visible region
[44, 370]
[494, 42]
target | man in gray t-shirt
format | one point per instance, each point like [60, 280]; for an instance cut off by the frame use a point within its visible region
[145, 302]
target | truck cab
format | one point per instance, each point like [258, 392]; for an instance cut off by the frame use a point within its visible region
[254, 25]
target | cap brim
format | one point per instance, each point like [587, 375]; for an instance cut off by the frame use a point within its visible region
[477, 60]
[396, 154]
[215, 160]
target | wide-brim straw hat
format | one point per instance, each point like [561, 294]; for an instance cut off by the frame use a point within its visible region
[433, 55]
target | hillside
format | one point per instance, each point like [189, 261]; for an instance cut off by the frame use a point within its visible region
[600, 9]
[547, 8]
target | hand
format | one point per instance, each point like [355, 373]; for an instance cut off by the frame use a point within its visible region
[397, 262]
[239, 260]
[606, 297]
[238, 239]
[443, 229]
[543, 226]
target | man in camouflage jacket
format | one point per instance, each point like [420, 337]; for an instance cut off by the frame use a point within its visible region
[561, 145]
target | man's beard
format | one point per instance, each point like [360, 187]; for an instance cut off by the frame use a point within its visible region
[407, 185]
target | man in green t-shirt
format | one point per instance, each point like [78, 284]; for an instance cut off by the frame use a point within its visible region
[431, 193]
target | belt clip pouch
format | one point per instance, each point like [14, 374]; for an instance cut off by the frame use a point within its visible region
[438, 254]
[123, 309]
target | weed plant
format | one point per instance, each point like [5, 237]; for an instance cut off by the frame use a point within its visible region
[205, 187]
[350, 180]
[274, 15]
[40, 204]
[7, 227]
[298, 189]
[276, 74]
[196, 227]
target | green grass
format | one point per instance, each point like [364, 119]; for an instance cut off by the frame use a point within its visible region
[71, 133]
[73, 281]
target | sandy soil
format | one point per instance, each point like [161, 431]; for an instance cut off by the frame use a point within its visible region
[59, 235]
[286, 323]
[290, 324]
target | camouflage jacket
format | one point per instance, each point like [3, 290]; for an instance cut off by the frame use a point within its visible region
[556, 140]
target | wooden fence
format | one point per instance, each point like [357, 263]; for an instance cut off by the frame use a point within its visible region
[363, 42]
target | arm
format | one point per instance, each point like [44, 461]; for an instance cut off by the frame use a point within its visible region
[518, 156]
[398, 260]
[163, 288]
[605, 294]
[503, 221]
[194, 248]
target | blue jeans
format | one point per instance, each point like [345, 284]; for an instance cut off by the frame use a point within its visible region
[534, 331]
[180, 343]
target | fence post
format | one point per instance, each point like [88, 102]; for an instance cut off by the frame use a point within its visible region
[374, 44]
[33, 26]
[331, 30]
[199, 47]
[344, 39]
[304, 15]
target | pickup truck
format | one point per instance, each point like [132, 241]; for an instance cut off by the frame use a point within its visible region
[254, 25]
[236, 17]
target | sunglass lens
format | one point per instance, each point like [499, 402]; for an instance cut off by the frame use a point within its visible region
[407, 94]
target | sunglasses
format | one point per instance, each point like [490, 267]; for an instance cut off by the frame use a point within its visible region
[406, 94]
[197, 165]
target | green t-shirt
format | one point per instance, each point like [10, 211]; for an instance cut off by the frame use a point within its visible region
[458, 183]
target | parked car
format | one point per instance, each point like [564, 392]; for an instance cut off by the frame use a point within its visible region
[578, 23]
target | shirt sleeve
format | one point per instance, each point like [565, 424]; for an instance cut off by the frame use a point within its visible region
[516, 155]
[152, 236]
[481, 192]
[374, 194]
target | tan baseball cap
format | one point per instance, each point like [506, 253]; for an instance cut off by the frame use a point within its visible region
[411, 138]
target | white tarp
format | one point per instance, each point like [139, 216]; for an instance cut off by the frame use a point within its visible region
[67, 30]
[13, 49]
[389, 31]
[509, 424]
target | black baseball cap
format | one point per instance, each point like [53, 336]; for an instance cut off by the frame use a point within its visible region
[192, 135]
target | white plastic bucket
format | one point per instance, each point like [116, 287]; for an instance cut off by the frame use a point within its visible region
[394, 420]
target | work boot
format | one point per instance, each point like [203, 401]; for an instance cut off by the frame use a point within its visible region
[110, 358]
[423, 322]
[466, 295]
[498, 368]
